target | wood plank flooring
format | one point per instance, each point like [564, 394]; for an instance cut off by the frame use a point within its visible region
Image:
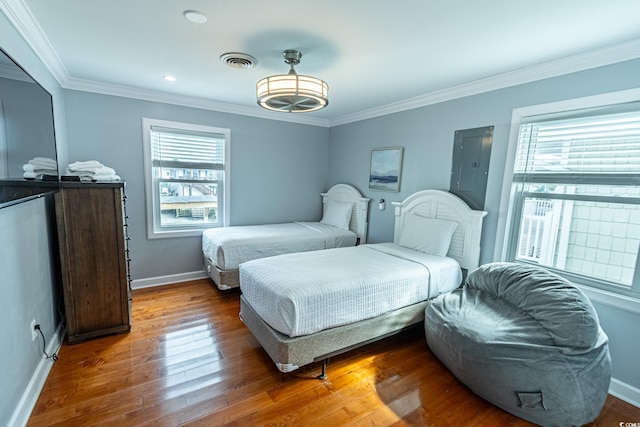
[189, 360]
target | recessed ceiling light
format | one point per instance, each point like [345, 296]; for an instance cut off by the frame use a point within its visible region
[169, 78]
[195, 16]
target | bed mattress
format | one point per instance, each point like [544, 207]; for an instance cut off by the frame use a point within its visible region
[228, 247]
[302, 293]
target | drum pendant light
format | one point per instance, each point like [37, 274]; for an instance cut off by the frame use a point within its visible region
[292, 93]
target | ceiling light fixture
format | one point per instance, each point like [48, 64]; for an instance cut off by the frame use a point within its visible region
[292, 93]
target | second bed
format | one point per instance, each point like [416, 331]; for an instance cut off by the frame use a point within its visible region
[343, 223]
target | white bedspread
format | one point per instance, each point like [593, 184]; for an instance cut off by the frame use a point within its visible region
[227, 247]
[302, 293]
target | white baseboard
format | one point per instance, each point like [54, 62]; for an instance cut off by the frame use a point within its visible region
[166, 280]
[625, 392]
[30, 396]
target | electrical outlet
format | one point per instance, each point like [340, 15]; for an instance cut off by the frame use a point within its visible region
[34, 331]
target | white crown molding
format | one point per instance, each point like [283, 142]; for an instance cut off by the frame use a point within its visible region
[571, 64]
[187, 101]
[22, 19]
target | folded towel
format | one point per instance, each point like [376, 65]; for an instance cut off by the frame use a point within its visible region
[44, 159]
[92, 169]
[38, 173]
[109, 178]
[43, 162]
[88, 165]
[103, 170]
[100, 178]
[32, 175]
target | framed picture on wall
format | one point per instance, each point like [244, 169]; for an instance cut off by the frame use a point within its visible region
[386, 169]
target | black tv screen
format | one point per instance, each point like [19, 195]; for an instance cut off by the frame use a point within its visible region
[28, 161]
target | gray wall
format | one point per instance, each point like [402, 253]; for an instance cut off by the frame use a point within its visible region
[27, 259]
[427, 136]
[29, 291]
[278, 169]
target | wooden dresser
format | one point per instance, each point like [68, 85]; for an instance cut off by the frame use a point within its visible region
[94, 258]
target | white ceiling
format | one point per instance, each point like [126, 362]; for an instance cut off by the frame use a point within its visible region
[377, 56]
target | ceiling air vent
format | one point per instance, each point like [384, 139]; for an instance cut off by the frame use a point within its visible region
[238, 60]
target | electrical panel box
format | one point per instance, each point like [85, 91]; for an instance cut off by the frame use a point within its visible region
[470, 167]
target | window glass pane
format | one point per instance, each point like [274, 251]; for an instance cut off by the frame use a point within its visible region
[584, 190]
[188, 204]
[187, 174]
[591, 238]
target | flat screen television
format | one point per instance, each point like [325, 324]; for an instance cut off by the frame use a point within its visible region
[26, 134]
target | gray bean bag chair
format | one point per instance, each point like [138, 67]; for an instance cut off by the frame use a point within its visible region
[526, 340]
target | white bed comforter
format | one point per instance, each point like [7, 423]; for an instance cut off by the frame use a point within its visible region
[302, 293]
[228, 247]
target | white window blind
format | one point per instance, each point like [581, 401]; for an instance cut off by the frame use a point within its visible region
[171, 148]
[606, 144]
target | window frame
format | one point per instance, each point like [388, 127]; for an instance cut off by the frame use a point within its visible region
[4, 167]
[509, 213]
[152, 217]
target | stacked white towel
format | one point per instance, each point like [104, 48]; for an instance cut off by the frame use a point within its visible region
[92, 170]
[38, 167]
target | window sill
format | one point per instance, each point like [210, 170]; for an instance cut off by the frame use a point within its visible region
[612, 299]
[174, 233]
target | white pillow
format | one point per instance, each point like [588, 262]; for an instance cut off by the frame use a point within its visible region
[428, 235]
[337, 214]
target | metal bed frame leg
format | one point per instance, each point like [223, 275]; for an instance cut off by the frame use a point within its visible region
[323, 375]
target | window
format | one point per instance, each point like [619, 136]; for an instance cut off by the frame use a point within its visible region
[574, 204]
[186, 177]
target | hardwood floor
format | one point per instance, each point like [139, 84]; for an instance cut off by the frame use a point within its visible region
[189, 360]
